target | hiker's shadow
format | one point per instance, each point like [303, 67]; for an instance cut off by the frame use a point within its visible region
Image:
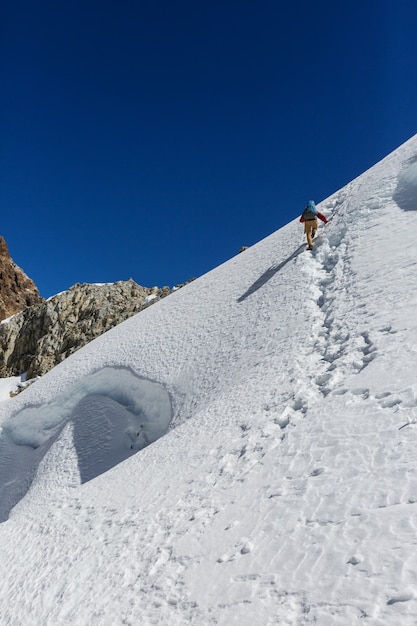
[270, 272]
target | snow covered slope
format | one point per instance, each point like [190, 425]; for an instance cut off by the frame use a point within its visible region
[279, 395]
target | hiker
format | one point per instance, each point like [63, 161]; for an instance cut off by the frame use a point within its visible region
[309, 217]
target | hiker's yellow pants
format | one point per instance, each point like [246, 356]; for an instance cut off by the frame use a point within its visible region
[310, 227]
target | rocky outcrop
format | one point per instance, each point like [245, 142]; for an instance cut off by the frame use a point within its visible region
[44, 334]
[36, 335]
[17, 290]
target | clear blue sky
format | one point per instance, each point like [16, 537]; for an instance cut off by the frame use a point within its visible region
[151, 140]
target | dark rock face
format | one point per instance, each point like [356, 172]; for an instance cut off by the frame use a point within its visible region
[44, 334]
[17, 290]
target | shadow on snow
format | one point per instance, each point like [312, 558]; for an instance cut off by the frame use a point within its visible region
[113, 412]
[405, 194]
[270, 272]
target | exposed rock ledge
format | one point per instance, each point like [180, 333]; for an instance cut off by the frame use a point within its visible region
[44, 334]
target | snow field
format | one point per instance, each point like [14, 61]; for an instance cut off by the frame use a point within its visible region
[285, 490]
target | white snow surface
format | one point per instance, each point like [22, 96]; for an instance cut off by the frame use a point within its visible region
[10, 385]
[278, 394]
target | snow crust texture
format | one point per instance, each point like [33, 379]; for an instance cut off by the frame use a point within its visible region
[279, 395]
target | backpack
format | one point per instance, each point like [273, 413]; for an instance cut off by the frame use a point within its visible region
[310, 212]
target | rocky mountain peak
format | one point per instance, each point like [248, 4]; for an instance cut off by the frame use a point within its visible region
[41, 333]
[17, 290]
